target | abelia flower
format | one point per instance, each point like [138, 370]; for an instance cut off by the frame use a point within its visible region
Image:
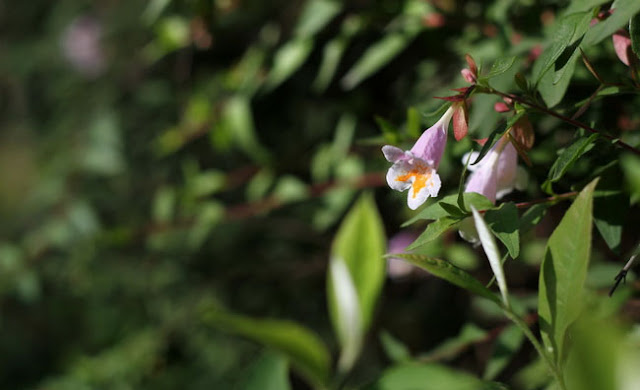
[415, 169]
[495, 175]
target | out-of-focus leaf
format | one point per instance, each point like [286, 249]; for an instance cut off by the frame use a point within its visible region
[583, 5]
[316, 15]
[269, 372]
[395, 350]
[413, 122]
[333, 52]
[634, 32]
[359, 245]
[173, 33]
[209, 214]
[103, 155]
[238, 121]
[631, 167]
[450, 273]
[452, 347]
[623, 11]
[153, 10]
[304, 350]
[376, 57]
[610, 206]
[493, 253]
[207, 182]
[568, 157]
[504, 349]
[563, 272]
[444, 207]
[259, 185]
[430, 377]
[287, 60]
[504, 223]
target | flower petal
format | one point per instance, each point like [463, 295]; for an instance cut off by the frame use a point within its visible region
[425, 185]
[392, 153]
[430, 146]
[484, 180]
[398, 176]
[507, 168]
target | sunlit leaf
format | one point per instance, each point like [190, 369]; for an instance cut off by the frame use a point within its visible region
[433, 231]
[493, 253]
[504, 223]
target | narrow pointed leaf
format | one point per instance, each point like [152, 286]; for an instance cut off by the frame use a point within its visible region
[504, 223]
[450, 273]
[492, 252]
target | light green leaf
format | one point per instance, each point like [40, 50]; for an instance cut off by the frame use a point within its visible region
[433, 231]
[563, 273]
[450, 273]
[376, 57]
[623, 11]
[452, 347]
[360, 245]
[269, 372]
[492, 252]
[430, 377]
[316, 15]
[304, 350]
[287, 60]
[237, 119]
[504, 349]
[395, 350]
[504, 223]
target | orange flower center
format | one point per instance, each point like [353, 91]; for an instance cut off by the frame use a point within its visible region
[421, 175]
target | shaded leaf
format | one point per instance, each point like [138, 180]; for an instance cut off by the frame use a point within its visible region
[304, 350]
[269, 372]
[532, 217]
[395, 350]
[569, 156]
[500, 66]
[504, 223]
[430, 377]
[446, 206]
[564, 271]
[634, 32]
[450, 273]
[433, 231]
[504, 349]
[287, 60]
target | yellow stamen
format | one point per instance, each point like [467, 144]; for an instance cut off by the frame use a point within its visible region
[421, 175]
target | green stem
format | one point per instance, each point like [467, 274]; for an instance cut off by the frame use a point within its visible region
[536, 344]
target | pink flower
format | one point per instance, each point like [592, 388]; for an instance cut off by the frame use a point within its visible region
[415, 169]
[495, 175]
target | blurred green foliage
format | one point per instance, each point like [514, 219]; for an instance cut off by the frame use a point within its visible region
[164, 162]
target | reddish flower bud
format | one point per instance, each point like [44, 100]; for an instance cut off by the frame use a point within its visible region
[622, 45]
[501, 107]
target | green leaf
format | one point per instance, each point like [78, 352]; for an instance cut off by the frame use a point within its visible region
[360, 245]
[504, 223]
[237, 118]
[569, 156]
[553, 85]
[413, 122]
[333, 51]
[450, 273]
[376, 57]
[610, 205]
[287, 60]
[304, 350]
[492, 252]
[567, 32]
[446, 205]
[634, 32]
[430, 377]
[563, 273]
[433, 231]
[624, 10]
[500, 66]
[532, 217]
[269, 372]
[504, 349]
[452, 347]
[316, 15]
[395, 350]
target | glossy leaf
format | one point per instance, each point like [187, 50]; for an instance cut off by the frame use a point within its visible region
[563, 273]
[450, 273]
[444, 207]
[569, 156]
[504, 223]
[304, 350]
